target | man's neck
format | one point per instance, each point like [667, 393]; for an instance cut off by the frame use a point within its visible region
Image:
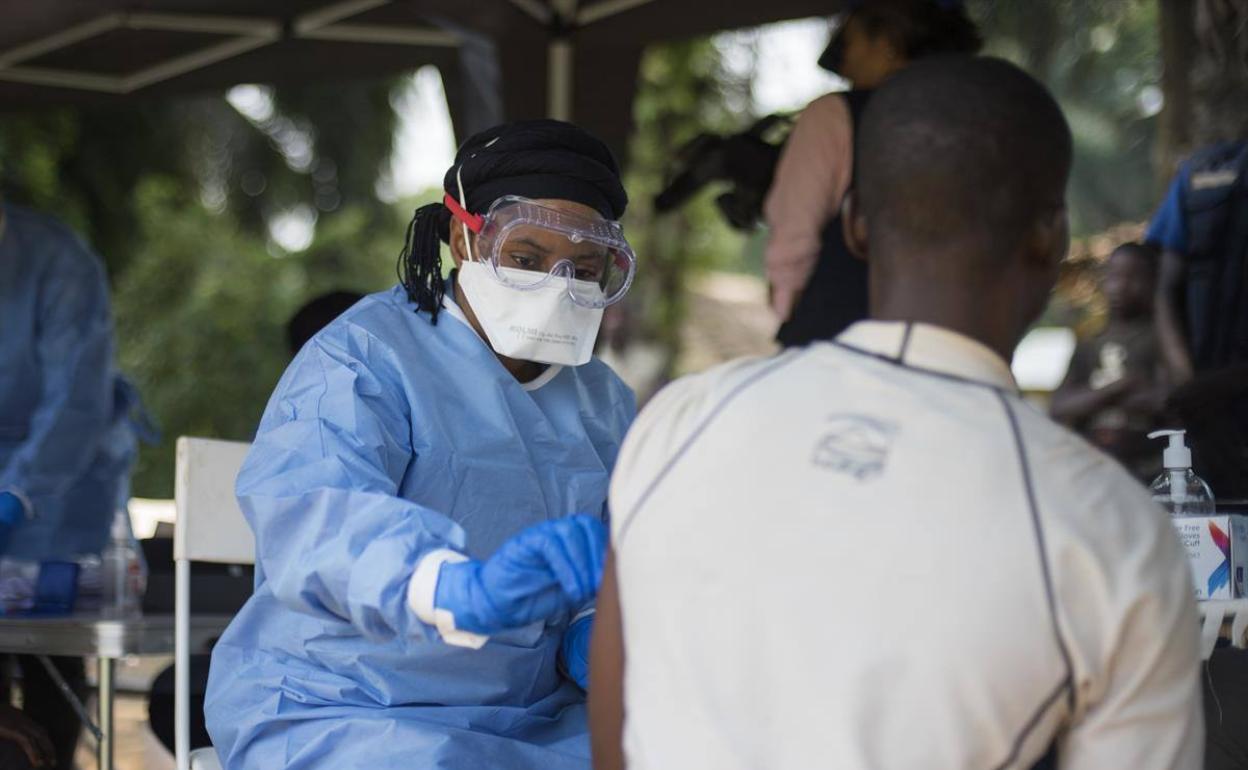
[968, 313]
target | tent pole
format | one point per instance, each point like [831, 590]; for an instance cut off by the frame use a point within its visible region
[40, 76]
[559, 79]
[375, 33]
[559, 60]
[62, 39]
[327, 15]
[607, 8]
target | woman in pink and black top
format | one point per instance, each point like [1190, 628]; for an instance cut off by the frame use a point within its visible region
[817, 287]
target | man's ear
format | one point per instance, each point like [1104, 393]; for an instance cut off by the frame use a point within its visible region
[459, 250]
[854, 226]
[1049, 240]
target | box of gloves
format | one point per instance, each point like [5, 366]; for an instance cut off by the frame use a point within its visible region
[1217, 549]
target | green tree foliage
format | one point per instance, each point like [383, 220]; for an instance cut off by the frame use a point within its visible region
[683, 90]
[1101, 59]
[84, 165]
[1205, 49]
[202, 312]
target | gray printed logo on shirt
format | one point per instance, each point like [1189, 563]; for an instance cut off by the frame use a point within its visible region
[856, 445]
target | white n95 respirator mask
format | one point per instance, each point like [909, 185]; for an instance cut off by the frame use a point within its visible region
[541, 324]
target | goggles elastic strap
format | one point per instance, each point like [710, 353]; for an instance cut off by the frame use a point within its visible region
[473, 221]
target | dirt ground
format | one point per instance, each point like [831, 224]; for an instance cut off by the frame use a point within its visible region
[137, 747]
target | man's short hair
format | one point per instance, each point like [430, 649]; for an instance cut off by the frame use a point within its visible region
[316, 315]
[1148, 253]
[960, 153]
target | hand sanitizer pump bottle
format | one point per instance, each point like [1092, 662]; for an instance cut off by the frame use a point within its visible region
[1178, 489]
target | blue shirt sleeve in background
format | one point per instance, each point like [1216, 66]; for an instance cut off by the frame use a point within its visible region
[1168, 228]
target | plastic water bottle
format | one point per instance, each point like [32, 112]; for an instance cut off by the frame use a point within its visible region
[123, 571]
[1178, 489]
[90, 584]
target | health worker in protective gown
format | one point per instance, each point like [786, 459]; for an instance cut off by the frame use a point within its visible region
[428, 488]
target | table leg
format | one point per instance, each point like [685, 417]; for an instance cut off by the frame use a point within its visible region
[105, 698]
[72, 697]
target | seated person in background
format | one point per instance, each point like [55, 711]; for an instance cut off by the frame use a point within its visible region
[872, 553]
[24, 745]
[1115, 386]
[316, 315]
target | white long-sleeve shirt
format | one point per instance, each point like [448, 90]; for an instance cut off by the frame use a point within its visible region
[873, 553]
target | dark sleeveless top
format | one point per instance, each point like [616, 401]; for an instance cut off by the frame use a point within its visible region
[836, 295]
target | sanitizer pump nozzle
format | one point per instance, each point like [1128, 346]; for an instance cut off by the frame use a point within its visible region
[1177, 455]
[1178, 489]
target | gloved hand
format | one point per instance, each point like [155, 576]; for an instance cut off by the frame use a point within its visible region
[11, 512]
[575, 650]
[547, 569]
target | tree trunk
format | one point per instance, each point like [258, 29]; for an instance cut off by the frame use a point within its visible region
[1178, 52]
[1220, 74]
[1204, 48]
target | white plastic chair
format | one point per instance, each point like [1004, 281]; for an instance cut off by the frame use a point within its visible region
[210, 528]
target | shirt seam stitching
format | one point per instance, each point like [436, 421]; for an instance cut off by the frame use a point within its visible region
[1041, 548]
[1031, 724]
[905, 342]
[693, 437]
[1001, 389]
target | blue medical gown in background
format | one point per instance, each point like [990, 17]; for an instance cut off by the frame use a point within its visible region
[66, 443]
[386, 438]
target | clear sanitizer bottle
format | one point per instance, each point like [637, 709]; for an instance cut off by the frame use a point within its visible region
[1178, 489]
[123, 571]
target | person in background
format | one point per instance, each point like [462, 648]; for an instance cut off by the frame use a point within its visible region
[817, 287]
[1202, 308]
[316, 315]
[1115, 386]
[872, 553]
[428, 485]
[66, 443]
[24, 744]
[1202, 322]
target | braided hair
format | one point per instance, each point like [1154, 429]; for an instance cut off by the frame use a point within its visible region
[420, 260]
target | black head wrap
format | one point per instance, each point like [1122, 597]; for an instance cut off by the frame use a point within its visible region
[533, 158]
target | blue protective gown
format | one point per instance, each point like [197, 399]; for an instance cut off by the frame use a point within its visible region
[66, 446]
[388, 437]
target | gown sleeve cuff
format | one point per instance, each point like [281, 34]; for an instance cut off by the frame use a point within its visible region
[420, 594]
[28, 508]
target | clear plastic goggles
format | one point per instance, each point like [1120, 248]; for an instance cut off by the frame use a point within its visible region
[527, 245]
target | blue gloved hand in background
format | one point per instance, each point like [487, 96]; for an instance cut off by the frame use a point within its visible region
[11, 512]
[549, 568]
[575, 650]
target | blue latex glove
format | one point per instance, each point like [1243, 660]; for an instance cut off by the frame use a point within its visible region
[11, 512]
[575, 650]
[549, 568]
